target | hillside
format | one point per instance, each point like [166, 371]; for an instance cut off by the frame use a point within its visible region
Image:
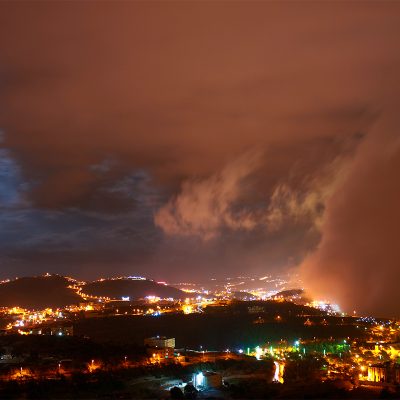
[38, 292]
[243, 296]
[232, 326]
[52, 291]
[290, 293]
[132, 288]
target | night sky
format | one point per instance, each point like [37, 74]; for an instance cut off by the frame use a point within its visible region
[184, 141]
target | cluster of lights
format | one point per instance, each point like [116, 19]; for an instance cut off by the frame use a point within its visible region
[326, 306]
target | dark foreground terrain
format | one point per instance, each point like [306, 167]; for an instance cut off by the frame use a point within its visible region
[244, 379]
[213, 332]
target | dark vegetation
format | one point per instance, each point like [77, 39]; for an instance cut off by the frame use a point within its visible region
[145, 382]
[307, 369]
[246, 377]
[242, 296]
[221, 327]
[77, 348]
[290, 293]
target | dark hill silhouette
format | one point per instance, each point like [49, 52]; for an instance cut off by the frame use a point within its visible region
[38, 292]
[299, 294]
[132, 288]
[290, 293]
[243, 296]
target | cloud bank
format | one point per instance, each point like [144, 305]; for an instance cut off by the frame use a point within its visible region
[208, 207]
[357, 262]
[204, 207]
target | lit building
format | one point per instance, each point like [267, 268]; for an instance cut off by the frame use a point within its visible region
[378, 373]
[62, 330]
[160, 341]
[207, 380]
[160, 348]
[388, 372]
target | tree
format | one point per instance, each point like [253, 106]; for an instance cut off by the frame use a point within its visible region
[176, 393]
[190, 391]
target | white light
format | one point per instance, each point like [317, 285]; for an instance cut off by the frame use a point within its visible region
[199, 379]
[258, 352]
[276, 374]
[240, 351]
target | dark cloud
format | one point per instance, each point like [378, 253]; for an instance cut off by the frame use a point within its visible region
[126, 126]
[10, 190]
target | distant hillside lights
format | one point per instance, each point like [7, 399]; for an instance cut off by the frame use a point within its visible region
[78, 288]
[116, 278]
[326, 306]
[86, 296]
[187, 309]
[15, 310]
[152, 299]
[45, 322]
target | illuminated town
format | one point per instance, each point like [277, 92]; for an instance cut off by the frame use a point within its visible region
[199, 199]
[347, 351]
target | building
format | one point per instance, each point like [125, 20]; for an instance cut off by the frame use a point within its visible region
[62, 330]
[207, 380]
[378, 373]
[160, 342]
[387, 372]
[160, 348]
